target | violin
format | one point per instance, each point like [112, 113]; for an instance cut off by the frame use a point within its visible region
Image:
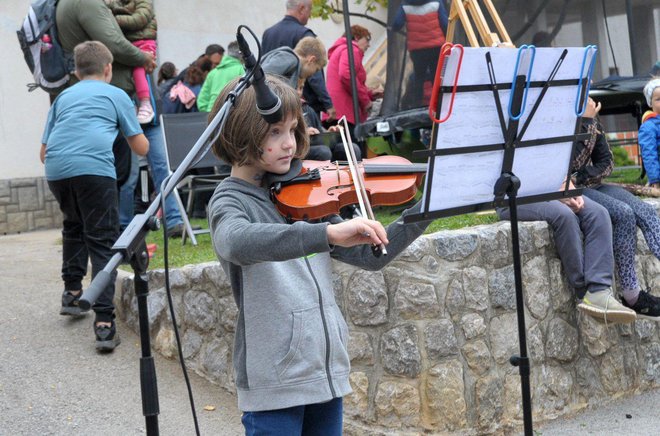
[323, 188]
[328, 188]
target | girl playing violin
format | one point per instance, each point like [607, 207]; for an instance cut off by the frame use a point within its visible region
[291, 362]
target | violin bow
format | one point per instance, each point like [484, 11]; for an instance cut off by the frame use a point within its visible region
[358, 181]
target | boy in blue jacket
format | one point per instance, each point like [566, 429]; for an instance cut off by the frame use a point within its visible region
[649, 133]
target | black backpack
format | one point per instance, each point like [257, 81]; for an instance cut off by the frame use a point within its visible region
[47, 60]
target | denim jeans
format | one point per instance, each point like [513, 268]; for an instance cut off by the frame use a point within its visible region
[322, 419]
[159, 171]
[89, 230]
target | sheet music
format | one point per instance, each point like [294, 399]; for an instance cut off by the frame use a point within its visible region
[468, 179]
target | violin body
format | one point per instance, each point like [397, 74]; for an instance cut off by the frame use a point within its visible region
[389, 181]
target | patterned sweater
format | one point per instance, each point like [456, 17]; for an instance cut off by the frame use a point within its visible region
[593, 160]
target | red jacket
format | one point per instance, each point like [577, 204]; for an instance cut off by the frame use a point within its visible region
[423, 26]
[338, 80]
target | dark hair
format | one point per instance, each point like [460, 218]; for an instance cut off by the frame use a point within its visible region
[245, 130]
[214, 48]
[542, 39]
[194, 75]
[166, 72]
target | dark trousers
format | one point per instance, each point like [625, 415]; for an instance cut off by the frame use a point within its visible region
[424, 63]
[90, 228]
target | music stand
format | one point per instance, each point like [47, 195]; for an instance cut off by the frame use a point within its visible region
[484, 154]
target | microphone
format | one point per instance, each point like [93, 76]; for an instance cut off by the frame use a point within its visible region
[269, 105]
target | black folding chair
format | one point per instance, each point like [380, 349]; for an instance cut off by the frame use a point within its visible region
[181, 131]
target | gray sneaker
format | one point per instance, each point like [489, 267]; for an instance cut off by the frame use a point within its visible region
[602, 305]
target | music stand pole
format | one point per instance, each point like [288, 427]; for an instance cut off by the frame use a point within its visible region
[508, 184]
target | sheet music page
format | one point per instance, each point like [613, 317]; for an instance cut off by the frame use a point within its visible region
[468, 179]
[464, 179]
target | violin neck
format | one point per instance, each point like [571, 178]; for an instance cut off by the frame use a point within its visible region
[395, 169]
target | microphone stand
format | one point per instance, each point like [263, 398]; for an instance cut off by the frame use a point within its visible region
[130, 247]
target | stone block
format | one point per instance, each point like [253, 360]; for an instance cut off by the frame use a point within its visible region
[488, 402]
[552, 388]
[504, 337]
[455, 298]
[165, 343]
[562, 341]
[17, 222]
[416, 300]
[200, 310]
[455, 245]
[400, 352]
[440, 339]
[477, 356]
[613, 374]
[357, 403]
[445, 396]
[502, 287]
[5, 188]
[473, 325]
[397, 404]
[28, 199]
[192, 343]
[368, 298]
[23, 182]
[536, 287]
[227, 313]
[495, 241]
[360, 348]
[215, 360]
[475, 286]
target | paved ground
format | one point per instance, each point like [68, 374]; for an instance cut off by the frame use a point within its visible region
[52, 382]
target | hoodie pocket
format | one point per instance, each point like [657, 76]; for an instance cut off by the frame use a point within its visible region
[305, 357]
[340, 360]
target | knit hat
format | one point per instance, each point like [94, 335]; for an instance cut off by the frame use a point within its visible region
[649, 88]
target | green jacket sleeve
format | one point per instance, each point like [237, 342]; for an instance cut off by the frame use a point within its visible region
[204, 103]
[139, 18]
[99, 23]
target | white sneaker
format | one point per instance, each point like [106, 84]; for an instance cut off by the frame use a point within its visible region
[603, 305]
[145, 112]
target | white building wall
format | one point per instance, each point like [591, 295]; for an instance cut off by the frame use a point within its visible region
[185, 29]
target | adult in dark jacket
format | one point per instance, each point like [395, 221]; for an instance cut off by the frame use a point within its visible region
[288, 32]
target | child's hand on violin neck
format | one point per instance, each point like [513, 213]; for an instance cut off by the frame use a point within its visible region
[356, 232]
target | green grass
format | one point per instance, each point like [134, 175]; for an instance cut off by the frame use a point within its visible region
[629, 175]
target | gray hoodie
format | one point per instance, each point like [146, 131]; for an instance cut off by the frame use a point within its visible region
[283, 62]
[291, 340]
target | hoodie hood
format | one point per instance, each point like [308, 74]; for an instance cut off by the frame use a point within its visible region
[340, 45]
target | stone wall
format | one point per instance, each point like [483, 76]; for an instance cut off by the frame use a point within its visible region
[27, 204]
[432, 333]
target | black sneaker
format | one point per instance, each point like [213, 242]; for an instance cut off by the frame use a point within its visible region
[107, 338]
[70, 304]
[647, 306]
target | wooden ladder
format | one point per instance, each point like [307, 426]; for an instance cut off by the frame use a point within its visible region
[459, 11]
